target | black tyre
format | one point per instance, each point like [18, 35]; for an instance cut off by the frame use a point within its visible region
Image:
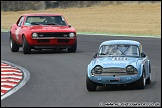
[90, 84]
[13, 45]
[148, 80]
[142, 81]
[73, 48]
[26, 46]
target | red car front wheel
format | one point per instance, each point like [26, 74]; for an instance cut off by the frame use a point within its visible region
[73, 48]
[26, 46]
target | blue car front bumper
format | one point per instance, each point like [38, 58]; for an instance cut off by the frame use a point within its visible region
[115, 79]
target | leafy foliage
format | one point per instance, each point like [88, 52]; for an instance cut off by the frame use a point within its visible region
[42, 5]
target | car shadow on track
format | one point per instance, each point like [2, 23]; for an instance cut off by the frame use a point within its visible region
[123, 87]
[50, 51]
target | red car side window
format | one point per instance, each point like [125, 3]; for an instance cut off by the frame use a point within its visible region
[21, 21]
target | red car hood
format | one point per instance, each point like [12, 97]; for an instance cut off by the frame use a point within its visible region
[52, 28]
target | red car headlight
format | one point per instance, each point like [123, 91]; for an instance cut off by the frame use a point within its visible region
[34, 35]
[72, 35]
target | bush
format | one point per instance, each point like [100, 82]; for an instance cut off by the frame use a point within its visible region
[41, 5]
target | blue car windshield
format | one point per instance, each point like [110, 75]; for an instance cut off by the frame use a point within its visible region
[119, 50]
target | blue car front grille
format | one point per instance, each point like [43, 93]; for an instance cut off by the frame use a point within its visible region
[113, 71]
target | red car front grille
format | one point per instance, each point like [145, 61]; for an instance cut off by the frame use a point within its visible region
[43, 41]
[52, 34]
[63, 40]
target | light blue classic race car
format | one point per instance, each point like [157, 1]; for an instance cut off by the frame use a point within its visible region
[119, 62]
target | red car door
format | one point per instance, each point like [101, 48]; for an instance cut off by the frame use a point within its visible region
[19, 30]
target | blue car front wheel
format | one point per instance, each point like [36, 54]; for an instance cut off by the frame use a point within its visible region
[142, 81]
[148, 80]
[91, 86]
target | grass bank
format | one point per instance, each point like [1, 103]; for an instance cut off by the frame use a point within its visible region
[130, 18]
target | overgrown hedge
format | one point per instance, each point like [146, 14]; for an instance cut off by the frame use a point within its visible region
[41, 5]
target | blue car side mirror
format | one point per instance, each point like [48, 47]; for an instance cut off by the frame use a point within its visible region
[95, 55]
[143, 54]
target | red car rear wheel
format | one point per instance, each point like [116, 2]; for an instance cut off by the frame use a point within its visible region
[13, 45]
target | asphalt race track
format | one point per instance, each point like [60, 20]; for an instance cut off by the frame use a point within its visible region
[58, 78]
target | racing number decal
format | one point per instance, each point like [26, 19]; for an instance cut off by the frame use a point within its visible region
[17, 33]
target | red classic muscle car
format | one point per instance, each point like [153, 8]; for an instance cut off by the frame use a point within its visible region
[42, 31]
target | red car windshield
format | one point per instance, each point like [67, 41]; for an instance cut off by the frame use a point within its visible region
[45, 20]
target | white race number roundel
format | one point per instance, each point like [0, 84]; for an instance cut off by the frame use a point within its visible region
[17, 32]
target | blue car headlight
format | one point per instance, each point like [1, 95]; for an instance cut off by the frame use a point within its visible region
[97, 69]
[131, 70]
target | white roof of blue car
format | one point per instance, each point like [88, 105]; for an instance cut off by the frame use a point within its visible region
[111, 42]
